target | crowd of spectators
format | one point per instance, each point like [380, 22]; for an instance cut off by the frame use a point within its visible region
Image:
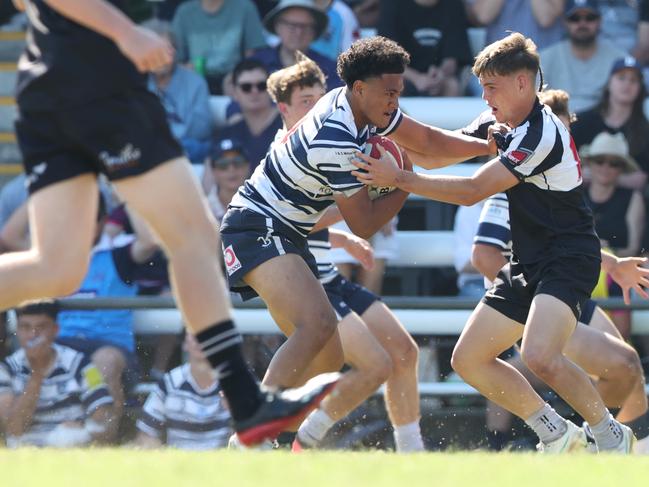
[595, 50]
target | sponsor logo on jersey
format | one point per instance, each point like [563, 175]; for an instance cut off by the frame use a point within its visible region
[519, 156]
[232, 263]
[266, 240]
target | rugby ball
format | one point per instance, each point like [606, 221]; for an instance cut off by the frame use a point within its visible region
[393, 153]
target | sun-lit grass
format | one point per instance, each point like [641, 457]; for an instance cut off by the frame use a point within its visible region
[123, 467]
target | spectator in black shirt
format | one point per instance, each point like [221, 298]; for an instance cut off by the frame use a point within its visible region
[434, 33]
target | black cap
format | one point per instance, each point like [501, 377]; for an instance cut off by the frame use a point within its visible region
[222, 147]
[573, 5]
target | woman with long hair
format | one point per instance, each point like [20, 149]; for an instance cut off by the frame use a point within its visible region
[620, 109]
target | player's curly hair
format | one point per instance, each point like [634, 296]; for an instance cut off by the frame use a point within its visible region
[508, 55]
[370, 58]
[305, 73]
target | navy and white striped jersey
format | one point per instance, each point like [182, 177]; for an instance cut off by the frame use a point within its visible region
[320, 247]
[72, 391]
[493, 226]
[183, 415]
[548, 212]
[304, 169]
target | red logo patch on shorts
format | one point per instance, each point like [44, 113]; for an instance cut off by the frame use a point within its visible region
[519, 156]
[232, 263]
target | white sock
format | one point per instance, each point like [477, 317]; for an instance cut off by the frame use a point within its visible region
[407, 437]
[547, 424]
[314, 428]
[607, 433]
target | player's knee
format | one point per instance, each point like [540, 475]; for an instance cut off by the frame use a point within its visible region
[407, 357]
[461, 361]
[627, 364]
[323, 324]
[545, 366]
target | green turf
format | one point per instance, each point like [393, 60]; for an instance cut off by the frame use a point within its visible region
[123, 467]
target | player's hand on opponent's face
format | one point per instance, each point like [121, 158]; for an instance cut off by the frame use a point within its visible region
[629, 273]
[145, 49]
[375, 172]
[361, 250]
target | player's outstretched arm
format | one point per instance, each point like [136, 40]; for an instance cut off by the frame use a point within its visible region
[439, 144]
[490, 179]
[19, 5]
[628, 272]
[144, 48]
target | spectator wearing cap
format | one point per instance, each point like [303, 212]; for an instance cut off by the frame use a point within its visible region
[297, 23]
[212, 36]
[581, 63]
[619, 213]
[185, 97]
[230, 168]
[620, 110]
[259, 120]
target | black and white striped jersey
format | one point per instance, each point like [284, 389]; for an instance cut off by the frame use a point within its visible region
[305, 168]
[73, 390]
[493, 226]
[183, 415]
[548, 213]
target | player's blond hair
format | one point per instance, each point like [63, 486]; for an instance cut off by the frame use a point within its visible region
[507, 56]
[304, 73]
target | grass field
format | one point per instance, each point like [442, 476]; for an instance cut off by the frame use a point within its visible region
[122, 468]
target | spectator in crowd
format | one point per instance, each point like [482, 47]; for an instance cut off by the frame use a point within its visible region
[434, 32]
[230, 168]
[185, 96]
[50, 395]
[367, 12]
[470, 282]
[620, 110]
[580, 64]
[619, 213]
[185, 410]
[620, 22]
[641, 50]
[342, 29]
[212, 36]
[539, 20]
[259, 117]
[297, 23]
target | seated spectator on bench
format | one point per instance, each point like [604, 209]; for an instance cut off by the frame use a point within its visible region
[186, 409]
[297, 23]
[259, 120]
[212, 36]
[51, 395]
[434, 32]
[185, 97]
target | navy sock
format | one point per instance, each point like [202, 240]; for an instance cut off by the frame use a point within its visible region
[639, 426]
[221, 344]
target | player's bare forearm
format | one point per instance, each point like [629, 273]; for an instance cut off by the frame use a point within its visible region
[428, 162]
[383, 209]
[331, 216]
[436, 142]
[19, 5]
[97, 15]
[448, 189]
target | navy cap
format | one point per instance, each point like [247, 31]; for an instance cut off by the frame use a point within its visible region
[223, 146]
[628, 62]
[574, 5]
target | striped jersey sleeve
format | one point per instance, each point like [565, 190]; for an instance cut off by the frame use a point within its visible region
[480, 126]
[152, 417]
[493, 226]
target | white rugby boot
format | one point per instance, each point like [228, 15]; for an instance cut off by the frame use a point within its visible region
[572, 441]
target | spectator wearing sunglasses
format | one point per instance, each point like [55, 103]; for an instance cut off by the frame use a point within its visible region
[259, 120]
[230, 168]
[619, 213]
[580, 64]
[620, 109]
[297, 23]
